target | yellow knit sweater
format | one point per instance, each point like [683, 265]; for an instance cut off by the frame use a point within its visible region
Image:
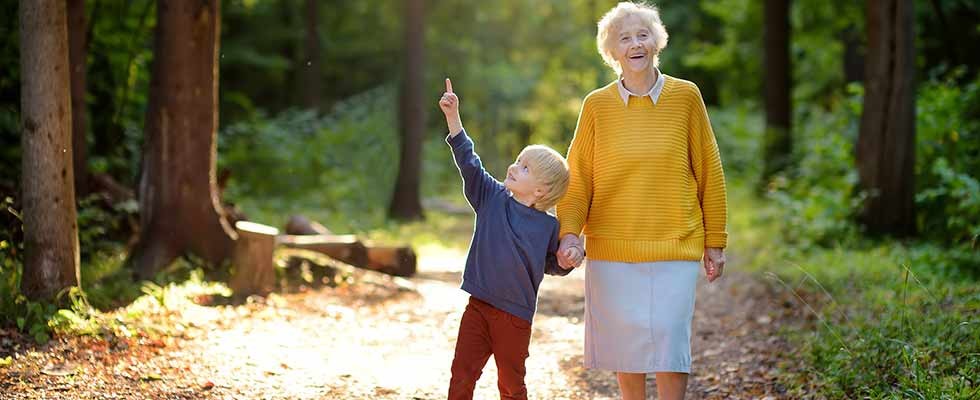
[646, 179]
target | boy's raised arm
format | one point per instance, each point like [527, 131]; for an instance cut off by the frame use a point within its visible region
[450, 107]
[478, 184]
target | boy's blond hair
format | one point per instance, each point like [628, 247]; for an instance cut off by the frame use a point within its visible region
[549, 169]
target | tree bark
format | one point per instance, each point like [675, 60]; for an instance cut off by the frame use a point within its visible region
[311, 69]
[179, 207]
[406, 201]
[51, 258]
[78, 54]
[886, 143]
[778, 144]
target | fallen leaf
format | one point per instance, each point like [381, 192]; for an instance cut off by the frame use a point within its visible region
[151, 377]
[6, 361]
[207, 385]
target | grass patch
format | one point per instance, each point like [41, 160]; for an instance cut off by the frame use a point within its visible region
[891, 319]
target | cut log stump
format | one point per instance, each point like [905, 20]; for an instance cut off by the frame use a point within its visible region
[254, 272]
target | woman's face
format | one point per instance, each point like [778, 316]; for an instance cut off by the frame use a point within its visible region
[634, 45]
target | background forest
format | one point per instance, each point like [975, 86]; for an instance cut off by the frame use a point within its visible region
[317, 98]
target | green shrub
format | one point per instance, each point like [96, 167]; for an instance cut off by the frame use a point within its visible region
[948, 160]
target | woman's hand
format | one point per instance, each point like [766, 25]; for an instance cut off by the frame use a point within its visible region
[714, 262]
[570, 252]
[449, 103]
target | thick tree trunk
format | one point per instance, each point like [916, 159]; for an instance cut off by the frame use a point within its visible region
[406, 203]
[51, 255]
[179, 207]
[886, 143]
[311, 70]
[78, 53]
[777, 81]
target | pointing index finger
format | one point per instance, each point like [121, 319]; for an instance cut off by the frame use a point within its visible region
[449, 86]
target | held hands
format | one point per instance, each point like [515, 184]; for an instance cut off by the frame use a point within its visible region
[449, 103]
[570, 252]
[714, 263]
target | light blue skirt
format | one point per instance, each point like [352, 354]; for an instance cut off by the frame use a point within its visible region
[638, 315]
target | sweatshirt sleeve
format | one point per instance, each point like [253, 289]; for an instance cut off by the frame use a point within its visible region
[708, 173]
[478, 184]
[573, 208]
[551, 266]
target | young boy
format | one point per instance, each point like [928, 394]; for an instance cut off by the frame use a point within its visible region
[513, 246]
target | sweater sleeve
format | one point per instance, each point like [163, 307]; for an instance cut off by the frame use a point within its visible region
[573, 208]
[708, 173]
[478, 184]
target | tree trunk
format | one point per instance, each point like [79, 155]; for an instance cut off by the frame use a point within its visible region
[406, 201]
[179, 207]
[311, 69]
[778, 144]
[886, 143]
[78, 53]
[853, 55]
[51, 255]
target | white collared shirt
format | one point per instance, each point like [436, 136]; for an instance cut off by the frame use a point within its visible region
[654, 92]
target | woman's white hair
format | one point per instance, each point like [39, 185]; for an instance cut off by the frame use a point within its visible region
[610, 24]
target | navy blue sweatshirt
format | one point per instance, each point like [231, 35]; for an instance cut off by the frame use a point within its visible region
[513, 245]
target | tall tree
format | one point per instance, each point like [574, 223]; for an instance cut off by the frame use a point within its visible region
[51, 255]
[406, 201]
[178, 197]
[311, 69]
[77, 54]
[886, 143]
[777, 81]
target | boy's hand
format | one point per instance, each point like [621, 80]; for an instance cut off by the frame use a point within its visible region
[570, 252]
[449, 103]
[574, 256]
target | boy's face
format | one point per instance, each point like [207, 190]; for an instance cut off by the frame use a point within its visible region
[521, 180]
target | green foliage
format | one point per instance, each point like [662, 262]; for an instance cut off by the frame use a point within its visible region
[738, 131]
[948, 160]
[119, 58]
[890, 320]
[818, 195]
[342, 163]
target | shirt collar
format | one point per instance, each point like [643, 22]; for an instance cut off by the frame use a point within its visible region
[654, 92]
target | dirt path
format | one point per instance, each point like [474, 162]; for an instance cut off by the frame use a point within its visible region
[389, 340]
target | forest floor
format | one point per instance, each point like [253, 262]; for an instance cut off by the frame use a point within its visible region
[384, 338]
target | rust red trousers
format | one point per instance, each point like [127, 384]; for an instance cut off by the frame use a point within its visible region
[485, 330]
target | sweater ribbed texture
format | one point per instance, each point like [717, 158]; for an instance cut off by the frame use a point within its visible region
[646, 179]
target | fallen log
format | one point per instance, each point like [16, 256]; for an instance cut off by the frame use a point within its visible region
[252, 260]
[300, 225]
[394, 260]
[345, 248]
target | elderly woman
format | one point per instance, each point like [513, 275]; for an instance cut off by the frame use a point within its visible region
[648, 190]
